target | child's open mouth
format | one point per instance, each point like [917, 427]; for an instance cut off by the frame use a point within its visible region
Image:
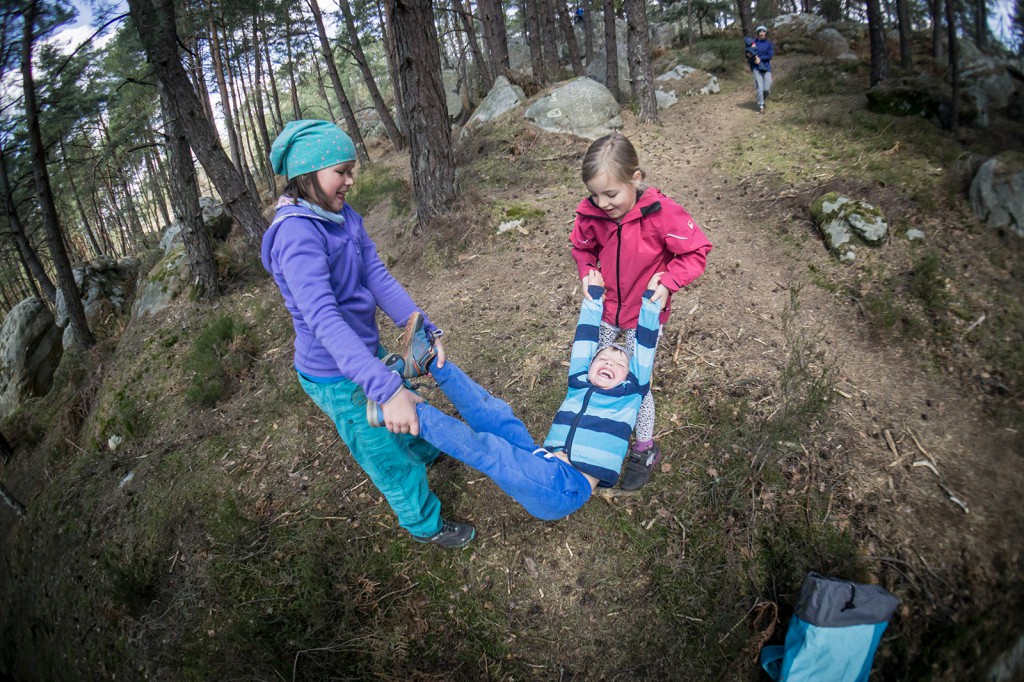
[605, 374]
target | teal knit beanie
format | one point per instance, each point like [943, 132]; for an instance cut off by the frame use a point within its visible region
[308, 146]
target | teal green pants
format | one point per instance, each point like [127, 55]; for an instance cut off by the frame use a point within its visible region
[396, 463]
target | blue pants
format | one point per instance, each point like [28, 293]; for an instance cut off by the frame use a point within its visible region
[495, 443]
[397, 464]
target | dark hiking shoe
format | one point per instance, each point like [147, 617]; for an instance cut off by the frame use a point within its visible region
[419, 348]
[639, 466]
[452, 535]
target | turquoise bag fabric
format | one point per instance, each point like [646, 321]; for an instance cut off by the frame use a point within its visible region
[833, 634]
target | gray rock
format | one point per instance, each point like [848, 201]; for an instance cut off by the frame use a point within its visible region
[503, 97]
[997, 193]
[165, 282]
[664, 34]
[840, 219]
[580, 107]
[988, 85]
[831, 44]
[30, 351]
[106, 287]
[683, 81]
[216, 217]
[914, 235]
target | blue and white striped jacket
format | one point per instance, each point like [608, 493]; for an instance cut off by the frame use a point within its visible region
[593, 425]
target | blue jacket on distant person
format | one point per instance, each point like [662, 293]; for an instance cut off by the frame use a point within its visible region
[764, 49]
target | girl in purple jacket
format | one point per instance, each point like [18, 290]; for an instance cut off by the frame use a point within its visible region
[333, 281]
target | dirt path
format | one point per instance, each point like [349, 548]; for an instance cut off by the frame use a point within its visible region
[887, 388]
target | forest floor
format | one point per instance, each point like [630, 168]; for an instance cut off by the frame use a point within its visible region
[862, 420]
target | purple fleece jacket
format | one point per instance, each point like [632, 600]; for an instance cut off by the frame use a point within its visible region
[333, 281]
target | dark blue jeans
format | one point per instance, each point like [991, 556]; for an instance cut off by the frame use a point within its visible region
[495, 443]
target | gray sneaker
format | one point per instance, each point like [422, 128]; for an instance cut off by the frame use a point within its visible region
[452, 535]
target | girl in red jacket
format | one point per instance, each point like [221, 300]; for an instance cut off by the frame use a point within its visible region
[629, 232]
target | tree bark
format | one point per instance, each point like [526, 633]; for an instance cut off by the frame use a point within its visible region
[28, 254]
[275, 96]
[572, 47]
[261, 116]
[954, 68]
[588, 31]
[401, 118]
[185, 203]
[611, 48]
[638, 47]
[981, 24]
[296, 109]
[876, 34]
[388, 121]
[155, 21]
[935, 8]
[492, 19]
[531, 29]
[549, 39]
[80, 334]
[225, 98]
[746, 18]
[483, 67]
[422, 92]
[906, 46]
[339, 91]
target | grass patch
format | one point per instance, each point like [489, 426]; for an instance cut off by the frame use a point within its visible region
[378, 183]
[219, 354]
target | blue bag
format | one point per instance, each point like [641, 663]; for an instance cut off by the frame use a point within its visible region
[833, 634]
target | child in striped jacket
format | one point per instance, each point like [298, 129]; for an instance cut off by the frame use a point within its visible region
[589, 438]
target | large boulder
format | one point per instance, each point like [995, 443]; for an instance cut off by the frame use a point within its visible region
[794, 32]
[683, 81]
[923, 96]
[457, 95]
[503, 97]
[30, 351]
[106, 286]
[215, 217]
[596, 68]
[840, 220]
[580, 107]
[987, 83]
[164, 283]
[997, 192]
[831, 44]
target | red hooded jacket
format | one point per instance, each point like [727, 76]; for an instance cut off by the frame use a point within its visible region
[657, 235]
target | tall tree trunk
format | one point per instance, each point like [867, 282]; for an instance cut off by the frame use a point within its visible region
[222, 87]
[935, 9]
[981, 24]
[80, 334]
[195, 71]
[548, 38]
[906, 45]
[275, 97]
[253, 112]
[70, 175]
[318, 74]
[483, 67]
[876, 33]
[339, 91]
[954, 68]
[492, 19]
[638, 47]
[531, 31]
[746, 18]
[588, 30]
[383, 113]
[611, 48]
[572, 47]
[391, 50]
[422, 92]
[296, 109]
[156, 25]
[261, 116]
[28, 254]
[156, 188]
[185, 203]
